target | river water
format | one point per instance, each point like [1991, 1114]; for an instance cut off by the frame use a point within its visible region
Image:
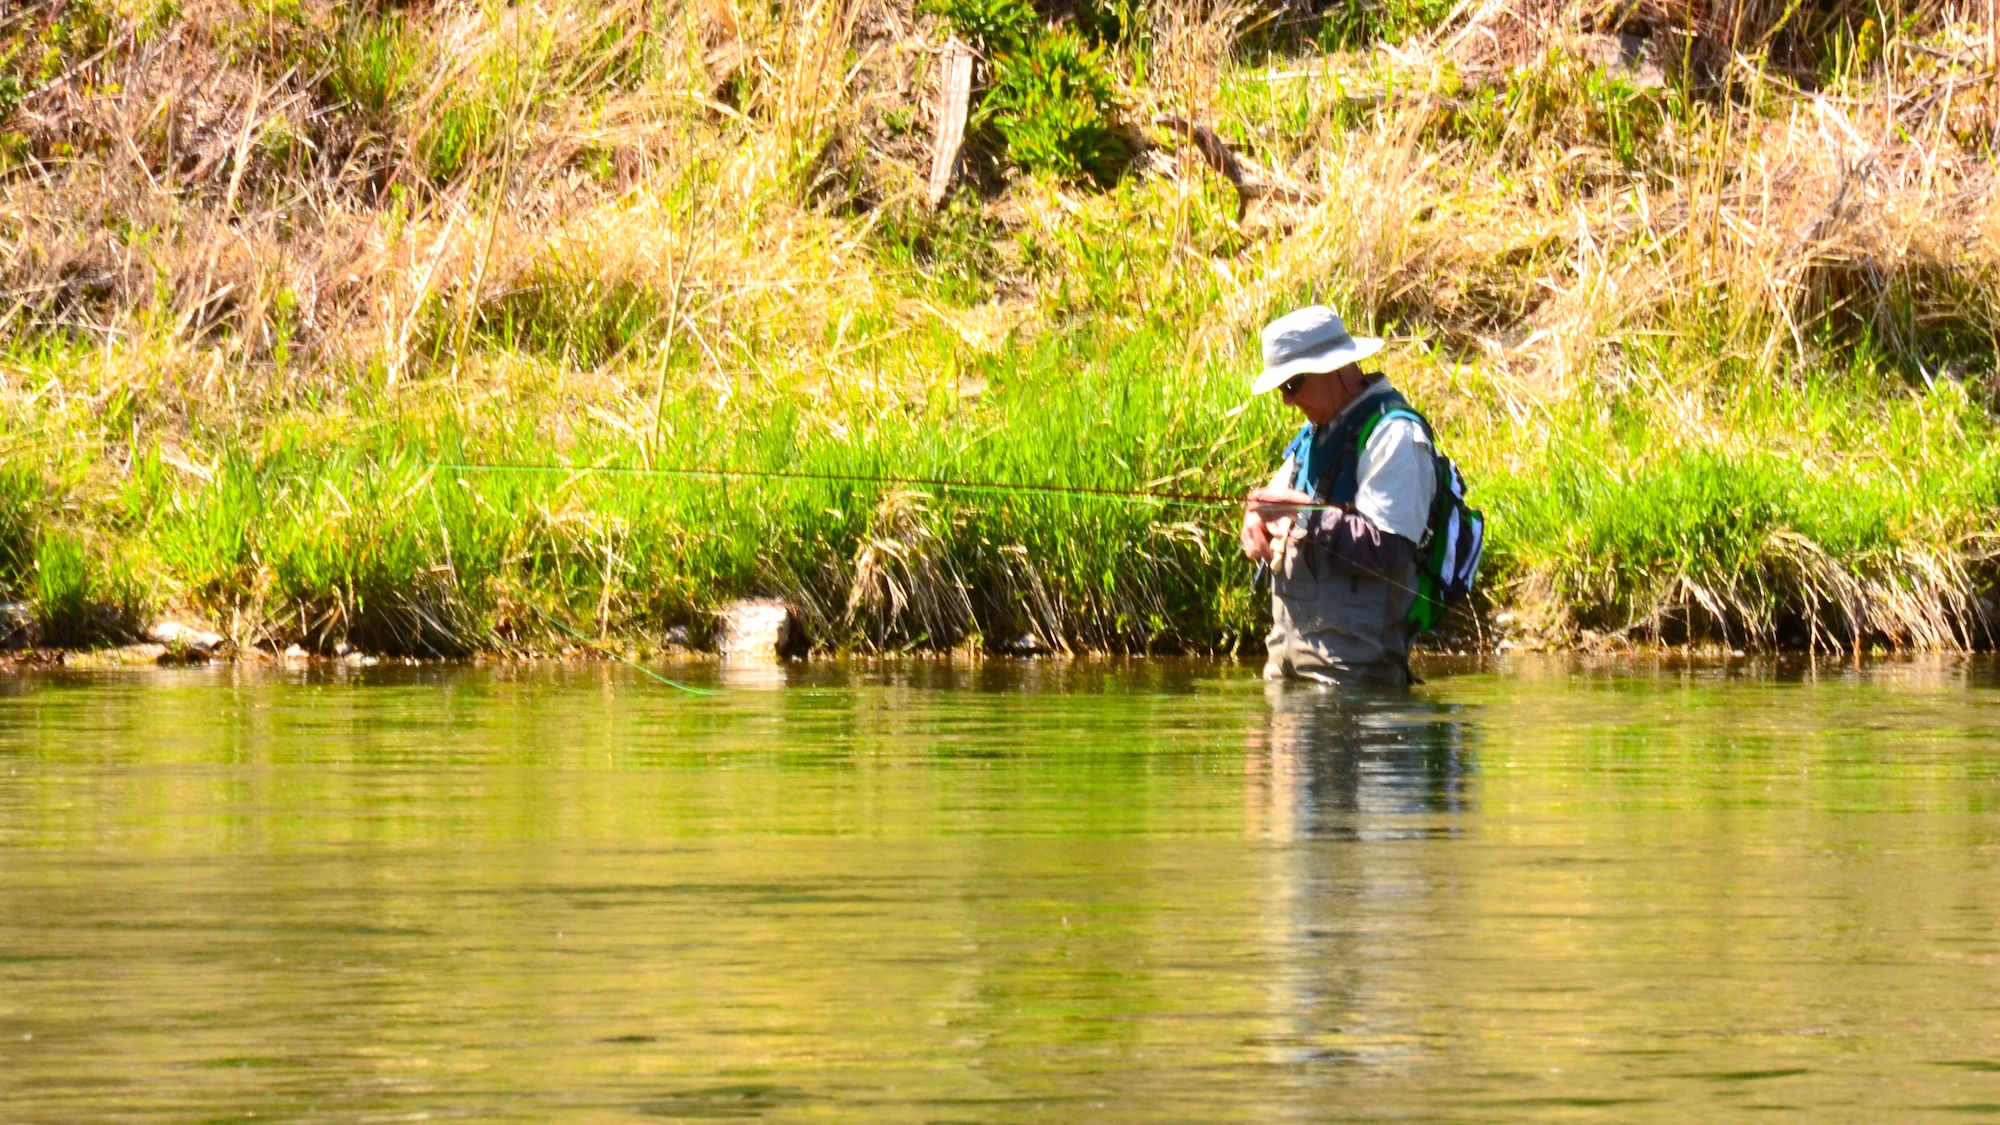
[1017, 892]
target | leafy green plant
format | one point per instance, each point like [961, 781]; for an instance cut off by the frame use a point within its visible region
[1050, 96]
[1054, 107]
[994, 26]
[11, 88]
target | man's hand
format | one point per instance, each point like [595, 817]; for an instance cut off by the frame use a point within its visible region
[1268, 517]
[1271, 504]
[1256, 537]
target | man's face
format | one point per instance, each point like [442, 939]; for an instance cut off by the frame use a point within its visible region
[1320, 397]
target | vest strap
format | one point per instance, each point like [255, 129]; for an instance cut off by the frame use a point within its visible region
[1329, 467]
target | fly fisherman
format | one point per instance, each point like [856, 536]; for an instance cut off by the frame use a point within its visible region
[1344, 577]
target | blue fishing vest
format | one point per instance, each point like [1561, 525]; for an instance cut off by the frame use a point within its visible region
[1455, 533]
[1330, 467]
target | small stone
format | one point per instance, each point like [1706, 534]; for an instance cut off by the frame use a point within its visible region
[1027, 644]
[18, 627]
[759, 630]
[343, 649]
[297, 653]
[173, 634]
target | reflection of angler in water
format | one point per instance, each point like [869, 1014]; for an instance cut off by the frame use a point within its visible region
[1358, 765]
[1358, 793]
[1364, 529]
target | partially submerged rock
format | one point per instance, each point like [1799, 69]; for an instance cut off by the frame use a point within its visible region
[18, 627]
[185, 638]
[759, 630]
[1027, 644]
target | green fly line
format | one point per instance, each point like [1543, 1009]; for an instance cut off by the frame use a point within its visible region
[609, 651]
[1118, 495]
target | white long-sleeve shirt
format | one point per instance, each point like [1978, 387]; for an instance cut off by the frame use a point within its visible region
[1396, 476]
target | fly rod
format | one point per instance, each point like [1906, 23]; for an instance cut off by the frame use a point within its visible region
[1124, 495]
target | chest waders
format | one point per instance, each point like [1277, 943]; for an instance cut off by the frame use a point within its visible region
[1359, 629]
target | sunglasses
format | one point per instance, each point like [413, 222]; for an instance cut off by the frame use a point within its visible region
[1291, 386]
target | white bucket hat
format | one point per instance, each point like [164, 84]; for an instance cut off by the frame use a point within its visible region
[1311, 341]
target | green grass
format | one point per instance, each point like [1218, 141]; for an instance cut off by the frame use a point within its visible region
[22, 493]
[64, 585]
[346, 532]
[1828, 497]
[1360, 24]
[361, 542]
[374, 64]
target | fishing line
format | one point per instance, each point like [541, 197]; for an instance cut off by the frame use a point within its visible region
[1122, 495]
[608, 651]
[1127, 495]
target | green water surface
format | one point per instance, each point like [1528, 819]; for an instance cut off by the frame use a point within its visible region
[1018, 892]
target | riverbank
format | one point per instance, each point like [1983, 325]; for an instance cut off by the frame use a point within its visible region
[1713, 342]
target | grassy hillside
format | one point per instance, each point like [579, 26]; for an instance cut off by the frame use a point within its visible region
[1703, 297]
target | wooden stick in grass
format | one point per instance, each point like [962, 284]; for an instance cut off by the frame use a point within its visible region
[1250, 181]
[954, 101]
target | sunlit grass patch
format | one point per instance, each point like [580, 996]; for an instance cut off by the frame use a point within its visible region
[23, 494]
[1832, 511]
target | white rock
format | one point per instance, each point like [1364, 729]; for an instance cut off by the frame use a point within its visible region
[173, 634]
[759, 630]
[297, 653]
